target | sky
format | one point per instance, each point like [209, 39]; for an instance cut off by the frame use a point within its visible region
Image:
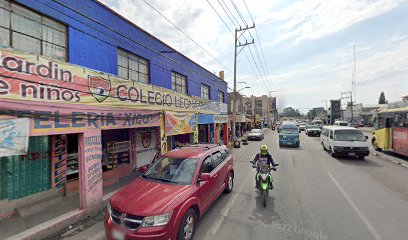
[303, 52]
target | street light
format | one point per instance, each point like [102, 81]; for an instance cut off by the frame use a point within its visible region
[243, 89]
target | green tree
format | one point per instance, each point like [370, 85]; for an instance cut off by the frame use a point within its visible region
[291, 112]
[311, 114]
[382, 99]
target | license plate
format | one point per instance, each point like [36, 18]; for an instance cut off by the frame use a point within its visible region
[352, 154]
[118, 235]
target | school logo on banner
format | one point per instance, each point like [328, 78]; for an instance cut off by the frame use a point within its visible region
[146, 139]
[99, 87]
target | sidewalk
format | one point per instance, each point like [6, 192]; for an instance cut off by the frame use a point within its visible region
[57, 225]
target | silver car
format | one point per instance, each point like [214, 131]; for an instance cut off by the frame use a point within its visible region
[255, 134]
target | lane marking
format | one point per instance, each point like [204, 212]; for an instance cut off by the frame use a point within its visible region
[360, 214]
[225, 211]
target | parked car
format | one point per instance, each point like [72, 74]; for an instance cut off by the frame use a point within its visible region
[313, 130]
[344, 141]
[353, 125]
[167, 201]
[302, 127]
[256, 134]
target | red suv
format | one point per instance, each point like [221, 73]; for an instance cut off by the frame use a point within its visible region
[171, 195]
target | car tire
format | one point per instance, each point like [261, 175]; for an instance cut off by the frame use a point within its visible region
[332, 153]
[361, 157]
[187, 225]
[230, 183]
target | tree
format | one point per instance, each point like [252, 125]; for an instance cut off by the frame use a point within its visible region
[311, 114]
[382, 99]
[291, 112]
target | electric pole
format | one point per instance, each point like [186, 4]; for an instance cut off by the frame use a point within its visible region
[237, 44]
[350, 96]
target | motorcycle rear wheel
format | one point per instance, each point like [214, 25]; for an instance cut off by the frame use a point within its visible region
[264, 195]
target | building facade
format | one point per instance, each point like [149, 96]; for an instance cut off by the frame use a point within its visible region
[94, 96]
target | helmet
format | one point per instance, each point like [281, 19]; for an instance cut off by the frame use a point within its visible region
[264, 149]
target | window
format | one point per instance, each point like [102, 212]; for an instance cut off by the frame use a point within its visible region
[217, 160]
[224, 154]
[220, 96]
[133, 67]
[28, 31]
[178, 83]
[205, 91]
[207, 165]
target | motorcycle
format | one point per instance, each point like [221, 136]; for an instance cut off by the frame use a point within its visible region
[264, 178]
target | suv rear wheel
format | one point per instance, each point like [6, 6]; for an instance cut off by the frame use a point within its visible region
[230, 183]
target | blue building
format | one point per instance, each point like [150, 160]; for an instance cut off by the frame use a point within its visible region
[89, 34]
[57, 59]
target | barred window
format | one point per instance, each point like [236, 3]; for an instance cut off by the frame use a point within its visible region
[133, 67]
[31, 32]
[178, 82]
[205, 91]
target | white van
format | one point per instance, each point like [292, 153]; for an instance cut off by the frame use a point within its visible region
[341, 123]
[344, 141]
[318, 123]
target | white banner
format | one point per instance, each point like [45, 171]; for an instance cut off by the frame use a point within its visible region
[146, 145]
[220, 118]
[14, 135]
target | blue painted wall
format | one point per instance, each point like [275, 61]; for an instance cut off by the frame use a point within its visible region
[95, 33]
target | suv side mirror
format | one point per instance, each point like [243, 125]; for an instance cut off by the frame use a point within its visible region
[143, 169]
[366, 137]
[204, 177]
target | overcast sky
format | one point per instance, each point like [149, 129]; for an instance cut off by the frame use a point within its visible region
[307, 45]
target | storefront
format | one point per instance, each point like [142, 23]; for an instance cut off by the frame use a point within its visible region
[221, 128]
[206, 128]
[180, 129]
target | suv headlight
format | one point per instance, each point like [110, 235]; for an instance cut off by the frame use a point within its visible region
[108, 208]
[160, 220]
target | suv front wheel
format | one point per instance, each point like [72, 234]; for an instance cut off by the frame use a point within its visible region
[187, 225]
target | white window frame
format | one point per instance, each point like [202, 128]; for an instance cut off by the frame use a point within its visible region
[178, 82]
[221, 96]
[205, 91]
[133, 67]
[29, 31]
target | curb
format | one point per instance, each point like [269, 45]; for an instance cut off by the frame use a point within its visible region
[388, 159]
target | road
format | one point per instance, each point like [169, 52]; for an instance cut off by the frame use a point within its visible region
[315, 197]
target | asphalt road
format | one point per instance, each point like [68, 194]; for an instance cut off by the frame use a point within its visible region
[315, 197]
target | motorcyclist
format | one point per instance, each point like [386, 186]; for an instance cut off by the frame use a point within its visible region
[266, 158]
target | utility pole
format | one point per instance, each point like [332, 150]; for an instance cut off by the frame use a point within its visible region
[234, 96]
[350, 96]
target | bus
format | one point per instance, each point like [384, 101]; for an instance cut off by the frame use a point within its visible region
[391, 131]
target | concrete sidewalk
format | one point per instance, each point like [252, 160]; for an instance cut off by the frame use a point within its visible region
[52, 228]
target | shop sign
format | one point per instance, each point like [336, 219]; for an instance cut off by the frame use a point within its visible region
[14, 134]
[91, 172]
[180, 123]
[220, 118]
[36, 80]
[48, 120]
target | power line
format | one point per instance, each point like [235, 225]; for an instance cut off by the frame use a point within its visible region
[239, 12]
[256, 49]
[186, 34]
[226, 25]
[260, 45]
[246, 55]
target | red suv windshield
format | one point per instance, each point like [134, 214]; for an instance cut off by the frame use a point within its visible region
[173, 170]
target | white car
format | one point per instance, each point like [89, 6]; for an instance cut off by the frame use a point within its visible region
[255, 134]
[344, 141]
[313, 130]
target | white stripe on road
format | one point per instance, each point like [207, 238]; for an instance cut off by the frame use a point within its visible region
[225, 211]
[360, 214]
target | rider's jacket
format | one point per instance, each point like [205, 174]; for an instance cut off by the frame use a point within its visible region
[259, 158]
